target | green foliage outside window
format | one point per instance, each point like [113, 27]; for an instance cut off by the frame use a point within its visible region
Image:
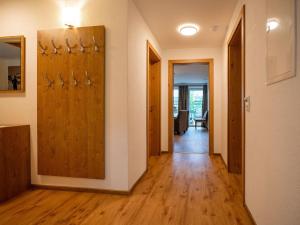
[195, 104]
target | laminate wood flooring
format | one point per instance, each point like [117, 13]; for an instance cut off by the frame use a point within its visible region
[183, 189]
[195, 140]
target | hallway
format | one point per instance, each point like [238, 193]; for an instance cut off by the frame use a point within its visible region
[193, 141]
[92, 93]
[182, 189]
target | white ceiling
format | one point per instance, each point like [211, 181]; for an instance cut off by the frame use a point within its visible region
[195, 73]
[164, 16]
[9, 51]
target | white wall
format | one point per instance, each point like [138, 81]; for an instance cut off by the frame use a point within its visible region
[138, 34]
[195, 53]
[272, 128]
[25, 18]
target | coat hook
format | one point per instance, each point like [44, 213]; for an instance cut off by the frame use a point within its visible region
[69, 47]
[82, 47]
[43, 49]
[49, 82]
[75, 81]
[88, 80]
[96, 47]
[55, 48]
[62, 82]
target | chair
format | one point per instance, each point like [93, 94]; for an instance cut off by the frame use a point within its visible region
[203, 120]
[181, 122]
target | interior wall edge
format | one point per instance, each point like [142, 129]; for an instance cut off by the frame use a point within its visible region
[138, 35]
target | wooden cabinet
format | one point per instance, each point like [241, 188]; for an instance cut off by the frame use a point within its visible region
[14, 160]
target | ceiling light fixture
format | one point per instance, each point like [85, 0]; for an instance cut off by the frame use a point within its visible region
[272, 24]
[71, 16]
[188, 29]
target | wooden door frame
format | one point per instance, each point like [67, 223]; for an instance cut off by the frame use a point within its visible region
[150, 48]
[240, 20]
[171, 63]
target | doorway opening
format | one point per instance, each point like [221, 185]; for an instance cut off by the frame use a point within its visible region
[190, 120]
[236, 95]
[153, 102]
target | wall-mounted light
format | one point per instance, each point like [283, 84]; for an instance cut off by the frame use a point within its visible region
[71, 16]
[188, 29]
[272, 24]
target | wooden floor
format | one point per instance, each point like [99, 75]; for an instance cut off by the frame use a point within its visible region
[193, 141]
[183, 189]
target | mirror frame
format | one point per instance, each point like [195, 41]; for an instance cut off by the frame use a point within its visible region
[22, 64]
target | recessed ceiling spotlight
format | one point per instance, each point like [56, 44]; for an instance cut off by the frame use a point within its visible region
[188, 29]
[272, 24]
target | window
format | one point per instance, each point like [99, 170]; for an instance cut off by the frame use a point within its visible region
[175, 101]
[195, 104]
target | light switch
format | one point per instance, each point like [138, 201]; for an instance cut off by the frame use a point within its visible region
[247, 103]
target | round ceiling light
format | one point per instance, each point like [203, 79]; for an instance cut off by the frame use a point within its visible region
[272, 24]
[188, 29]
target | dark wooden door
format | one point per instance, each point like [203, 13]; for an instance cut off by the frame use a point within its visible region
[235, 103]
[154, 108]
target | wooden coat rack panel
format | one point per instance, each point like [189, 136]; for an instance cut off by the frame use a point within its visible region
[71, 82]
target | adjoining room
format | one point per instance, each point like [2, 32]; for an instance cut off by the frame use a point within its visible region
[190, 108]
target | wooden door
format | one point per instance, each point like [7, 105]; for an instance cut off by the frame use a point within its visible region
[235, 103]
[154, 109]
[154, 101]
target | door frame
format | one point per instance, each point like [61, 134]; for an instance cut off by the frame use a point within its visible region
[151, 49]
[171, 64]
[240, 20]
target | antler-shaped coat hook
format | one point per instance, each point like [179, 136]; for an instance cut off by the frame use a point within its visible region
[88, 79]
[55, 48]
[69, 47]
[75, 81]
[96, 46]
[61, 80]
[82, 46]
[43, 48]
[49, 82]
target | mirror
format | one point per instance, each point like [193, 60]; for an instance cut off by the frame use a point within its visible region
[12, 64]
